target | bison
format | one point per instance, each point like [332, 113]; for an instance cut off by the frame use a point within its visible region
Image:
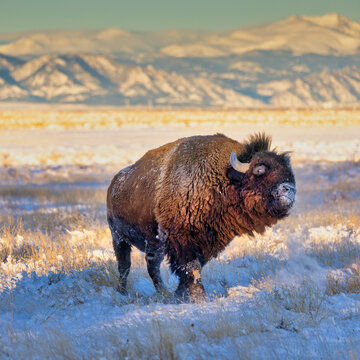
[188, 199]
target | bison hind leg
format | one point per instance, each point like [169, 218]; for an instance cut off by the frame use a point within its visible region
[122, 253]
[153, 261]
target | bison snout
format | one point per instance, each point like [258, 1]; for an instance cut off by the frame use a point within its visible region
[285, 193]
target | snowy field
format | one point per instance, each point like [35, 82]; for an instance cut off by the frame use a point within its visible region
[292, 293]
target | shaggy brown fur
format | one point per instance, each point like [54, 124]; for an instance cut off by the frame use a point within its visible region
[184, 200]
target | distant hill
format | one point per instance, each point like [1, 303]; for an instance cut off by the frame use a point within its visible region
[301, 61]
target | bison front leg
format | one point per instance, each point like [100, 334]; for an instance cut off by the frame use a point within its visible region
[190, 285]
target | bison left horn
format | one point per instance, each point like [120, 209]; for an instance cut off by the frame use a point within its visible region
[238, 165]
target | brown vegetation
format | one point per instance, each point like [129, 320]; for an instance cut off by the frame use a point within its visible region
[91, 119]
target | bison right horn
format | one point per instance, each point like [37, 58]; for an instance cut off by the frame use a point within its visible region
[238, 165]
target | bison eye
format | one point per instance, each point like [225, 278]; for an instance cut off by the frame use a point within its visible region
[259, 170]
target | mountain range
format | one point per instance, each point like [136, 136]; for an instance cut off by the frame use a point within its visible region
[301, 61]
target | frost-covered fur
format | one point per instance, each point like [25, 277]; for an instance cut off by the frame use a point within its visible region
[184, 200]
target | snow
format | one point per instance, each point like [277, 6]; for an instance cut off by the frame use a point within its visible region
[298, 318]
[293, 292]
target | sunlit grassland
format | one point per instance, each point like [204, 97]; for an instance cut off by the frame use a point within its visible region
[95, 119]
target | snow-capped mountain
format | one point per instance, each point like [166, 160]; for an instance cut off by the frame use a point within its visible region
[100, 80]
[298, 62]
[327, 88]
[327, 34]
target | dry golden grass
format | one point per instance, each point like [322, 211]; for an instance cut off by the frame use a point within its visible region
[321, 217]
[346, 281]
[304, 298]
[69, 195]
[62, 251]
[91, 119]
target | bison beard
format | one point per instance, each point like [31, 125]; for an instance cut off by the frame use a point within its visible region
[188, 199]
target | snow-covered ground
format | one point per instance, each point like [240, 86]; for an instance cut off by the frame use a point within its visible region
[292, 293]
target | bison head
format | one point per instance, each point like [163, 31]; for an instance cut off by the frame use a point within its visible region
[263, 178]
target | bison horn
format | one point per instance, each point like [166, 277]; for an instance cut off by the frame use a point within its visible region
[238, 165]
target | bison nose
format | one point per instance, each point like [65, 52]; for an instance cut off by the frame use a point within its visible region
[284, 193]
[286, 189]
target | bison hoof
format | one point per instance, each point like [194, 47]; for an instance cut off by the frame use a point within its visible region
[122, 290]
[195, 293]
[163, 292]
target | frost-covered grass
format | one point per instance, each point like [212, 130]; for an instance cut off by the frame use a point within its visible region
[292, 293]
[59, 299]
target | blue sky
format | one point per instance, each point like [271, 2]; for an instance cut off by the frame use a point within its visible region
[22, 15]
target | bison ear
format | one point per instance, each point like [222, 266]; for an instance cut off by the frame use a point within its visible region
[238, 165]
